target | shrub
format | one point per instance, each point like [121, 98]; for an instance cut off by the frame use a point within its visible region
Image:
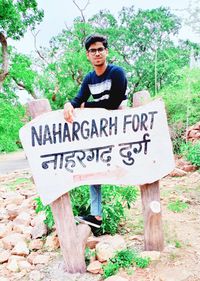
[113, 200]
[191, 152]
[177, 206]
[10, 122]
[124, 259]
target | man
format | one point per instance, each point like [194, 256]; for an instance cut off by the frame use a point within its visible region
[107, 85]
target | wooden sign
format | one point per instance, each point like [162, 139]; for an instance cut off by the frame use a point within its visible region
[129, 146]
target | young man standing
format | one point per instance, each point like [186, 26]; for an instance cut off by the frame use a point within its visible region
[107, 85]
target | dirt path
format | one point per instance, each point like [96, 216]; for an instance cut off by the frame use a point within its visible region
[13, 161]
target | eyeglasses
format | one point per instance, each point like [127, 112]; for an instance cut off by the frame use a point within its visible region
[94, 51]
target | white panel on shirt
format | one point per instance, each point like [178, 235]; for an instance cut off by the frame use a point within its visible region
[99, 88]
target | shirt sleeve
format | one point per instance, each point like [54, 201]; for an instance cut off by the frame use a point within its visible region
[83, 94]
[117, 92]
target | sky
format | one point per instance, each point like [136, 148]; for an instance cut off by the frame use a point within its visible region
[59, 13]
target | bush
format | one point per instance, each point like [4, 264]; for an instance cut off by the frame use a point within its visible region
[114, 198]
[191, 152]
[10, 122]
[124, 259]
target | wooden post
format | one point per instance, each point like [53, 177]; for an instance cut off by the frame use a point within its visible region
[150, 195]
[72, 238]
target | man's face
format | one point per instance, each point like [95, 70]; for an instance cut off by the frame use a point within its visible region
[97, 54]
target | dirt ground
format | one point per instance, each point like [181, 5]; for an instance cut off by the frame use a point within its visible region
[180, 260]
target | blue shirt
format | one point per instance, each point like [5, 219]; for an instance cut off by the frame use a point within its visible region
[107, 90]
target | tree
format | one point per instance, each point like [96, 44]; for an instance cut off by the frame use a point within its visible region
[135, 37]
[16, 17]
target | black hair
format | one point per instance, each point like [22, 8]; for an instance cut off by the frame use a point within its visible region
[93, 38]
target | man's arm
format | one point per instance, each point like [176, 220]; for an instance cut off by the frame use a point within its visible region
[117, 93]
[78, 101]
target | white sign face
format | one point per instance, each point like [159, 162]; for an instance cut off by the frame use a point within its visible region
[129, 147]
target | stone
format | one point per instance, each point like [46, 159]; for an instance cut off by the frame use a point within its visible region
[39, 230]
[13, 265]
[52, 243]
[24, 218]
[92, 242]
[20, 249]
[4, 256]
[107, 249]
[95, 267]
[13, 198]
[36, 244]
[3, 214]
[35, 275]
[40, 259]
[177, 173]
[12, 211]
[11, 240]
[5, 230]
[35, 258]
[153, 255]
[24, 265]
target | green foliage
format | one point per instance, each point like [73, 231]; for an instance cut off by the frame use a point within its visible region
[89, 254]
[80, 200]
[10, 122]
[124, 259]
[177, 244]
[21, 72]
[191, 151]
[182, 97]
[17, 16]
[49, 221]
[113, 201]
[177, 206]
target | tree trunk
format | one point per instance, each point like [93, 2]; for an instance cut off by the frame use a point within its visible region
[4, 70]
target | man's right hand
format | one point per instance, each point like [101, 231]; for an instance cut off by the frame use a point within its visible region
[69, 112]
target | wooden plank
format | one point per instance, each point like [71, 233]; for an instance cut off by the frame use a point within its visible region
[150, 195]
[72, 238]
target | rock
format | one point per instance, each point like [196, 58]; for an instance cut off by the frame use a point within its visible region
[24, 218]
[52, 243]
[31, 257]
[12, 211]
[3, 214]
[24, 265]
[153, 255]
[4, 256]
[40, 259]
[38, 219]
[35, 275]
[20, 249]
[95, 267]
[189, 168]
[92, 242]
[12, 265]
[107, 249]
[35, 258]
[13, 198]
[177, 173]
[5, 230]
[36, 244]
[39, 227]
[11, 240]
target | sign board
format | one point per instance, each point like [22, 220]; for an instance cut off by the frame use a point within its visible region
[129, 147]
